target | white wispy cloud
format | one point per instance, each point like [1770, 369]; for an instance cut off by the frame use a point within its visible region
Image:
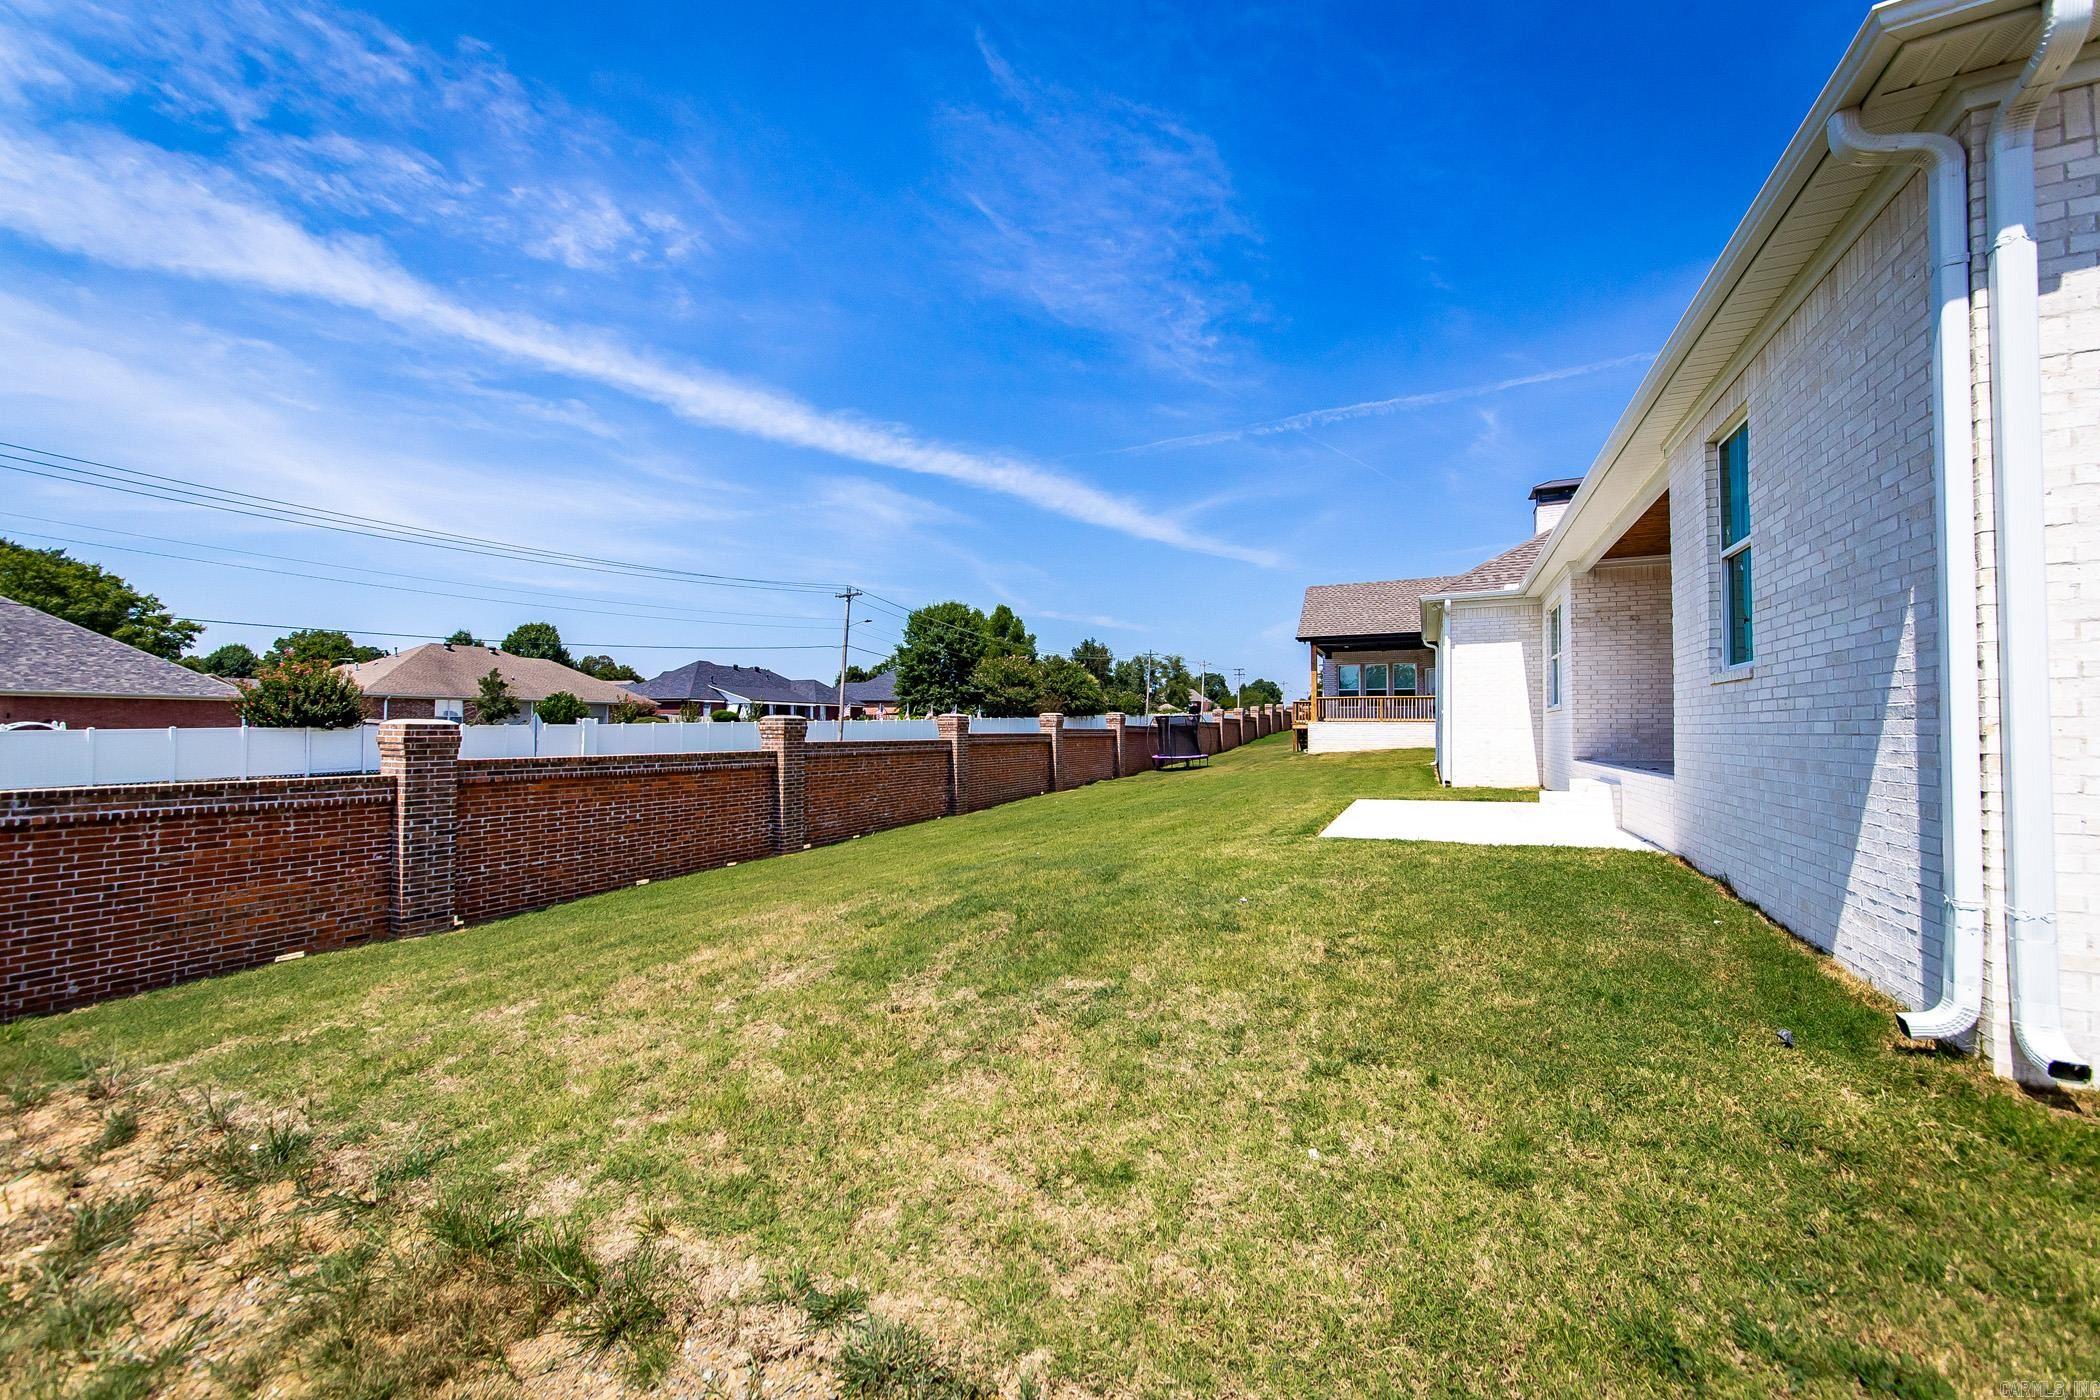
[1116, 624]
[1108, 215]
[338, 112]
[1320, 417]
[130, 204]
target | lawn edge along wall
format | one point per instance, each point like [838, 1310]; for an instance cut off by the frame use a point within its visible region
[106, 891]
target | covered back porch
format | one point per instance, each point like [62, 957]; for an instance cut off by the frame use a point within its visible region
[1370, 693]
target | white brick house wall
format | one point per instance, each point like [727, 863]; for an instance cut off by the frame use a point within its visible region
[1798, 780]
[1492, 678]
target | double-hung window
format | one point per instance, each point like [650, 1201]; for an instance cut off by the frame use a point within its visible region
[1737, 646]
[1374, 679]
[1349, 679]
[1404, 678]
[1553, 656]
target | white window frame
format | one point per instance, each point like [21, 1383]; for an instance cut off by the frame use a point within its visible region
[1729, 668]
[1556, 652]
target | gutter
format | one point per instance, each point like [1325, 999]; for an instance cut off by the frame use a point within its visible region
[1946, 164]
[2023, 603]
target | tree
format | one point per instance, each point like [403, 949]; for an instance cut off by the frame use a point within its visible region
[1008, 687]
[724, 716]
[1068, 688]
[495, 704]
[1004, 635]
[604, 668]
[1261, 691]
[1099, 661]
[861, 673]
[324, 644]
[943, 642]
[232, 662]
[631, 712]
[560, 708]
[293, 694]
[537, 639]
[89, 596]
[1218, 691]
[462, 638]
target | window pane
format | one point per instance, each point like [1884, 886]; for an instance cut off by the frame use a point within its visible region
[1404, 679]
[1739, 649]
[1374, 680]
[1735, 486]
[1351, 678]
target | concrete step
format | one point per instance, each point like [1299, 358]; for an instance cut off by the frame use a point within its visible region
[1582, 795]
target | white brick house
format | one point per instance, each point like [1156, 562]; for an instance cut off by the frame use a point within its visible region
[1781, 618]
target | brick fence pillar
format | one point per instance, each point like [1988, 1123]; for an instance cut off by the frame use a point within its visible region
[422, 757]
[786, 738]
[1053, 724]
[955, 733]
[1115, 745]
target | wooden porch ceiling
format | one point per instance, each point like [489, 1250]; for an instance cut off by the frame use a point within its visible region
[1649, 535]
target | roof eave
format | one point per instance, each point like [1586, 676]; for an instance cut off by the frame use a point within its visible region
[1887, 28]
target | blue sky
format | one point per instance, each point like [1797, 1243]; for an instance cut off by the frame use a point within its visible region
[1136, 318]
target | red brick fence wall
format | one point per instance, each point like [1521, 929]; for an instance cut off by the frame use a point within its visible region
[110, 890]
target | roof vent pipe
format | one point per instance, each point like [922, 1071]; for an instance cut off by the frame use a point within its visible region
[2023, 618]
[1946, 165]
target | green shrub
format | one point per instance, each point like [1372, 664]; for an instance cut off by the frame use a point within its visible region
[560, 708]
[301, 695]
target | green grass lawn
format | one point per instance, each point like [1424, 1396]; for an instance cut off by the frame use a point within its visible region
[1147, 1087]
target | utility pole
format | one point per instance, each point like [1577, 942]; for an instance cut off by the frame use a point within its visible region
[1239, 687]
[1145, 676]
[845, 647]
[1202, 687]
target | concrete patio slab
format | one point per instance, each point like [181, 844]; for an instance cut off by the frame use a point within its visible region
[1485, 824]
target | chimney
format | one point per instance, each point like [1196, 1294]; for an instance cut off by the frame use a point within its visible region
[1549, 502]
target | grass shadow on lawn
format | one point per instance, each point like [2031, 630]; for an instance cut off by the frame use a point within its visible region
[1144, 1088]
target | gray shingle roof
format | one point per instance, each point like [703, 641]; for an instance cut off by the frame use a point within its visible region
[1365, 609]
[45, 655]
[1505, 570]
[882, 689]
[437, 671]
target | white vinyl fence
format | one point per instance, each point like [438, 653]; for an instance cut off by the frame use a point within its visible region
[1025, 725]
[1086, 721]
[536, 740]
[31, 758]
[822, 731]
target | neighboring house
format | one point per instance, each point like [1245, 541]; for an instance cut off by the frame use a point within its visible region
[753, 691]
[1373, 676]
[440, 680]
[55, 672]
[875, 698]
[1824, 615]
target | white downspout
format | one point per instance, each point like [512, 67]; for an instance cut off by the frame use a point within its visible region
[1946, 164]
[2023, 604]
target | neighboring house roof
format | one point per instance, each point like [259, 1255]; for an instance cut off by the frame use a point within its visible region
[1383, 609]
[1505, 570]
[880, 690]
[712, 683]
[438, 671]
[708, 682]
[1905, 71]
[45, 655]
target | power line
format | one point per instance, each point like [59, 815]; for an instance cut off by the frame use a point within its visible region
[532, 601]
[438, 637]
[179, 491]
[523, 593]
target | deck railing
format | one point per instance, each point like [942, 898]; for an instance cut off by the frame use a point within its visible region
[1377, 707]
